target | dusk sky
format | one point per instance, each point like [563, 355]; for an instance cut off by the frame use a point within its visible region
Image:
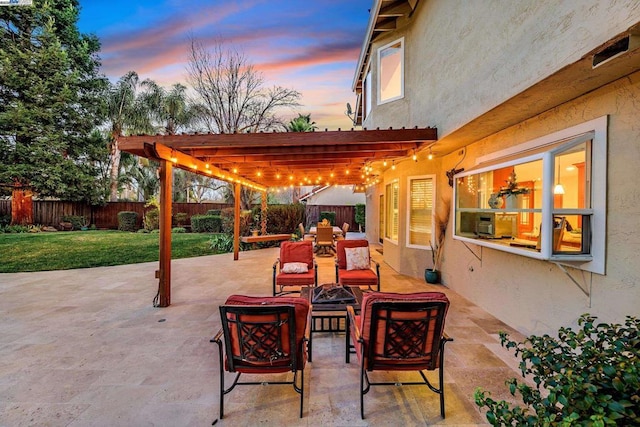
[309, 46]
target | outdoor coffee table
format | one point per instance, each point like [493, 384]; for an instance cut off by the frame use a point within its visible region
[326, 315]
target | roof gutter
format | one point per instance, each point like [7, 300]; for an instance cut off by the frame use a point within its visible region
[366, 45]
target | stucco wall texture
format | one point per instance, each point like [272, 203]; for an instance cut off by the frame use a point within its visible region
[462, 60]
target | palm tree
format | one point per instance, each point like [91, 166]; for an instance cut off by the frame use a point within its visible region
[124, 114]
[169, 109]
[302, 123]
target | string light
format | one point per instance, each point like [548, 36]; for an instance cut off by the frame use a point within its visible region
[393, 165]
[415, 157]
[430, 157]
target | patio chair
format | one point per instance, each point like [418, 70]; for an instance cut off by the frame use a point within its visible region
[400, 332]
[303, 234]
[295, 267]
[263, 335]
[324, 239]
[345, 228]
[354, 265]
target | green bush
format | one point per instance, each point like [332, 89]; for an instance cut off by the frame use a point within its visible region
[214, 211]
[360, 215]
[330, 216]
[180, 218]
[589, 377]
[127, 221]
[283, 219]
[178, 230]
[221, 243]
[77, 221]
[16, 228]
[206, 223]
[227, 222]
[152, 219]
[5, 220]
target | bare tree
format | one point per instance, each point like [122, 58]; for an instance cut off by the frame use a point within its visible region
[233, 94]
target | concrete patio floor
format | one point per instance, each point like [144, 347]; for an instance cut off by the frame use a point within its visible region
[87, 348]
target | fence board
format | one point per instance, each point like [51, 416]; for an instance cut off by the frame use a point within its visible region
[50, 212]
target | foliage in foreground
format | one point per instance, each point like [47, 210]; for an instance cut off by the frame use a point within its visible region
[588, 378]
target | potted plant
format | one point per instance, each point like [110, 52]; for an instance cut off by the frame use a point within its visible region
[432, 275]
[511, 191]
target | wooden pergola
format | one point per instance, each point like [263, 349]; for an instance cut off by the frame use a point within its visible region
[267, 160]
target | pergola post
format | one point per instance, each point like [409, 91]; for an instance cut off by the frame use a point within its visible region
[263, 213]
[236, 222]
[164, 274]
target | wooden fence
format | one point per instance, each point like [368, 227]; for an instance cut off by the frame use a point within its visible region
[50, 212]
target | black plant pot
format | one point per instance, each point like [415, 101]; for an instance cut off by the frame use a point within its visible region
[431, 276]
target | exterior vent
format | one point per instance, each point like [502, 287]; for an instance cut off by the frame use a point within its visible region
[623, 45]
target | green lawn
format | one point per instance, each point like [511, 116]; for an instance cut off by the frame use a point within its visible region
[83, 249]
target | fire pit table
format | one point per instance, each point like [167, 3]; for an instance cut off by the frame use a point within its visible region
[329, 309]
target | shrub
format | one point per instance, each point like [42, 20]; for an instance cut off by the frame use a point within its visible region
[178, 230]
[206, 224]
[214, 211]
[127, 221]
[5, 220]
[221, 243]
[77, 221]
[360, 215]
[590, 378]
[16, 228]
[330, 216]
[151, 219]
[180, 218]
[227, 221]
[285, 218]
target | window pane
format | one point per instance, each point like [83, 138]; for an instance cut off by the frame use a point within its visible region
[390, 73]
[420, 211]
[392, 211]
[570, 178]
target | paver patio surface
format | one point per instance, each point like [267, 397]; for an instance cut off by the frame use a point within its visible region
[87, 348]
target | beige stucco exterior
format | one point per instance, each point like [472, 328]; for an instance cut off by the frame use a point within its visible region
[466, 60]
[336, 196]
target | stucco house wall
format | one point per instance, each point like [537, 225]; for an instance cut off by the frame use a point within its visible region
[463, 59]
[336, 196]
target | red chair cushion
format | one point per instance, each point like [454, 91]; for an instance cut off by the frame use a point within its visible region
[297, 252]
[296, 279]
[340, 254]
[301, 307]
[357, 277]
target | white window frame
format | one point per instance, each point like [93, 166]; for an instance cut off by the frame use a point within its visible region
[595, 261]
[381, 51]
[433, 210]
[388, 216]
[367, 94]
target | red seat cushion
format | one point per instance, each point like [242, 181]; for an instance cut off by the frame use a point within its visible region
[301, 307]
[296, 279]
[358, 277]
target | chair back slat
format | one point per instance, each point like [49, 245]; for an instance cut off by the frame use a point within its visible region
[324, 234]
[259, 336]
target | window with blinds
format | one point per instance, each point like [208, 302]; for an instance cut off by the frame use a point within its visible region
[392, 211]
[420, 212]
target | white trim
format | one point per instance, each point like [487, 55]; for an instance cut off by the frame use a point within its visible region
[379, 73]
[433, 210]
[386, 216]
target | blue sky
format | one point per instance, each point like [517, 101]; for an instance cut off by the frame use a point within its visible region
[309, 46]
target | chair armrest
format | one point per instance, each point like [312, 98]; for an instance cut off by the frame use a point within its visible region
[275, 264]
[352, 320]
[216, 337]
[307, 331]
